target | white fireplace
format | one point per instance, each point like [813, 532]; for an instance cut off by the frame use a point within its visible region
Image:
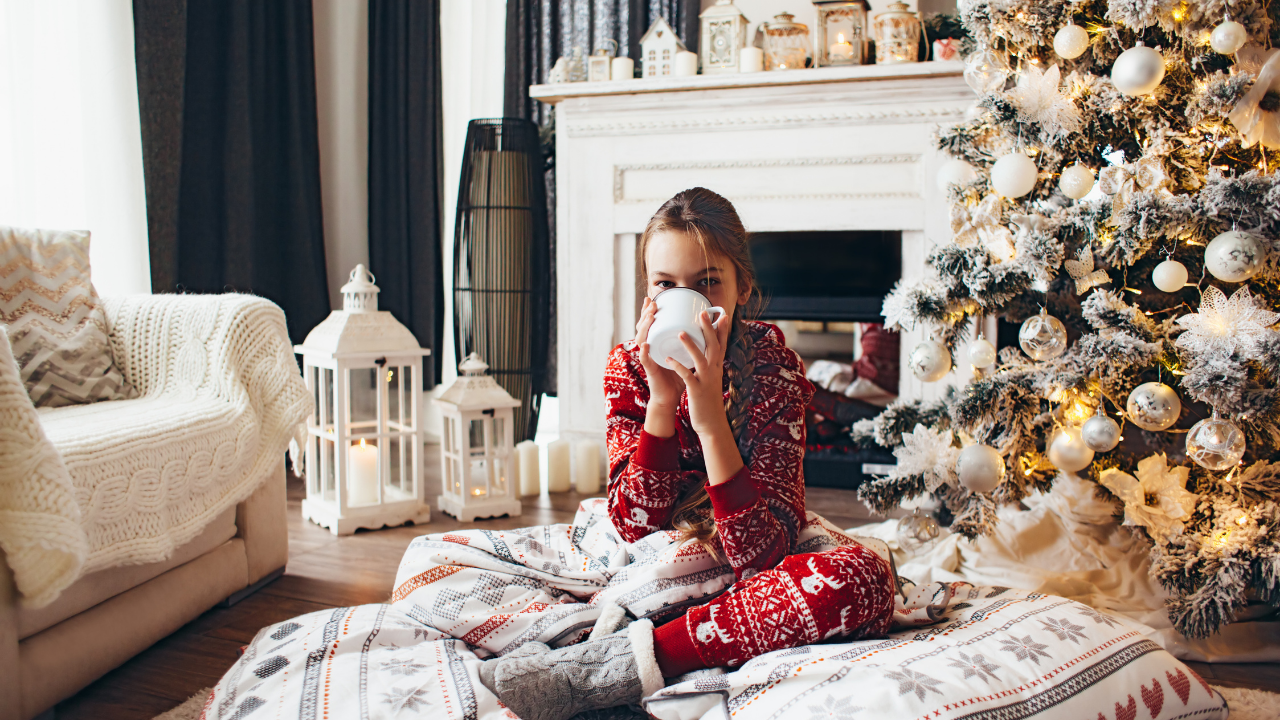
[846, 148]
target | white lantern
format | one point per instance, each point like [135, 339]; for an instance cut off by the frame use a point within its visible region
[477, 453]
[364, 439]
[724, 34]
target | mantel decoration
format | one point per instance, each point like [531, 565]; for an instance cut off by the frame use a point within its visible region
[364, 439]
[477, 453]
[786, 43]
[841, 34]
[724, 34]
[897, 33]
[599, 65]
[658, 48]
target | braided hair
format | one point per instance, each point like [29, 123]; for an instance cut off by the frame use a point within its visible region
[713, 223]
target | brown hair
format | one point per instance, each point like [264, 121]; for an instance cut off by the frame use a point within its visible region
[712, 222]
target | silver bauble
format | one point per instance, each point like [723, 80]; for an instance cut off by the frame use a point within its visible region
[1071, 41]
[930, 361]
[955, 172]
[1013, 175]
[981, 468]
[1043, 336]
[985, 71]
[1153, 406]
[1076, 181]
[1234, 256]
[916, 531]
[1068, 452]
[1169, 276]
[1228, 37]
[1100, 433]
[1215, 444]
[1138, 70]
[982, 353]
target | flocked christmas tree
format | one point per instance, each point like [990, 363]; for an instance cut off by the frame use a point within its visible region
[1112, 191]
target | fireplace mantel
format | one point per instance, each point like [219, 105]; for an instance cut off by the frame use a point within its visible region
[820, 149]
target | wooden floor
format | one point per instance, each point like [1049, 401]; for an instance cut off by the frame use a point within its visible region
[326, 571]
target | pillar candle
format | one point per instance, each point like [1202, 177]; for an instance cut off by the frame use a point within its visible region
[362, 474]
[527, 465]
[586, 467]
[686, 63]
[622, 68]
[558, 466]
[751, 60]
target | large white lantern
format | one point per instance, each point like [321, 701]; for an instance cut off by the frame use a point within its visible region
[477, 453]
[724, 34]
[364, 441]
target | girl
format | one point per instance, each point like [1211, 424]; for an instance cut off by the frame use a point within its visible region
[713, 454]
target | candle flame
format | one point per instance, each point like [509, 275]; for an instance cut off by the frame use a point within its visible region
[840, 38]
[362, 443]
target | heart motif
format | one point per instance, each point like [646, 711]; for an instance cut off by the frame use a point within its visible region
[1203, 684]
[660, 33]
[1153, 698]
[1127, 713]
[1180, 684]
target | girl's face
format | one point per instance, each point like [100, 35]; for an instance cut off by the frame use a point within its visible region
[673, 259]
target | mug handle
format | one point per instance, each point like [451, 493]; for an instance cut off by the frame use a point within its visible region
[720, 313]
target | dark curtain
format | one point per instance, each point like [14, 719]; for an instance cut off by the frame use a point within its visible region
[230, 151]
[539, 32]
[406, 168]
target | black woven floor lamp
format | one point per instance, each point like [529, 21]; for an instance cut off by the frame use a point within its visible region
[501, 303]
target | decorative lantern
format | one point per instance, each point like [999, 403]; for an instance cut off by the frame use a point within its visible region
[786, 43]
[598, 64]
[477, 454]
[897, 35]
[364, 439]
[724, 34]
[841, 38]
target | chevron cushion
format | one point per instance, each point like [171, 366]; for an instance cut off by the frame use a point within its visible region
[55, 320]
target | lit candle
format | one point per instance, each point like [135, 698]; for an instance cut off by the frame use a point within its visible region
[686, 63]
[362, 474]
[558, 466]
[622, 68]
[479, 492]
[751, 60]
[527, 464]
[586, 467]
[841, 51]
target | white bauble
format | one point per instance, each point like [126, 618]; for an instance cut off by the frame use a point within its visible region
[930, 361]
[1076, 181]
[1169, 276]
[1215, 444]
[980, 468]
[985, 71]
[1228, 37]
[955, 172]
[1068, 452]
[981, 352]
[1138, 70]
[1043, 336]
[1071, 41]
[1153, 406]
[1013, 175]
[1234, 256]
[1100, 433]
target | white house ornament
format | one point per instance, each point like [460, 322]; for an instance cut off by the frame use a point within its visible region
[1043, 336]
[985, 71]
[1138, 70]
[658, 48]
[1014, 175]
[955, 172]
[1083, 273]
[1076, 181]
[1169, 276]
[1068, 451]
[980, 468]
[1215, 443]
[1223, 325]
[982, 353]
[930, 361]
[1228, 37]
[1153, 406]
[1071, 41]
[1234, 256]
[1100, 433]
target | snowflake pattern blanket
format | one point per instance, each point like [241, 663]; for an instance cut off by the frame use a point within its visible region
[958, 651]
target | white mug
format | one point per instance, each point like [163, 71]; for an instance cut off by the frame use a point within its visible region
[678, 310]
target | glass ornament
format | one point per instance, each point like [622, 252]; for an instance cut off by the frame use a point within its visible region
[1228, 37]
[982, 353]
[955, 172]
[786, 43]
[1234, 256]
[1068, 452]
[930, 361]
[1169, 276]
[1215, 443]
[1138, 70]
[986, 71]
[1076, 181]
[916, 531]
[1153, 406]
[1100, 433]
[1071, 41]
[980, 468]
[1043, 336]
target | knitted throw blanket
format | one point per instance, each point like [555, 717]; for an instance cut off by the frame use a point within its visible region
[220, 397]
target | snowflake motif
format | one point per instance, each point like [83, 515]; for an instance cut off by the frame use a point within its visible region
[404, 698]
[1226, 325]
[1064, 629]
[406, 665]
[910, 681]
[928, 453]
[976, 666]
[1024, 648]
[1039, 101]
[833, 708]
[1099, 618]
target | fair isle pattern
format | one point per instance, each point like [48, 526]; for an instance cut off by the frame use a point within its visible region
[642, 500]
[55, 321]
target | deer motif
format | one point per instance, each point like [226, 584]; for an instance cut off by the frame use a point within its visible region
[844, 629]
[814, 583]
[639, 518]
[709, 629]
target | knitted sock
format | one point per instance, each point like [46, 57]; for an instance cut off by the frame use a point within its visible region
[538, 683]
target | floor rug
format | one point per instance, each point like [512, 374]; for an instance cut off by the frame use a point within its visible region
[189, 710]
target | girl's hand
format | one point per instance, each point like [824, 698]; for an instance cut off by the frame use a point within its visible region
[665, 386]
[705, 383]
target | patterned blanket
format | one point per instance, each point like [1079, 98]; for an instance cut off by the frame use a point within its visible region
[959, 651]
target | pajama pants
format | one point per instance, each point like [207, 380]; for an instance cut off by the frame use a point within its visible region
[497, 590]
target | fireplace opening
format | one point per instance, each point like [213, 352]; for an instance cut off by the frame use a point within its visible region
[839, 276]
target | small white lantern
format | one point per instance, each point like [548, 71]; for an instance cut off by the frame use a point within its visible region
[477, 453]
[724, 34]
[364, 439]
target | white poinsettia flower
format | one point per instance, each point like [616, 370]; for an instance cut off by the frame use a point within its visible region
[1157, 499]
[1039, 100]
[929, 454]
[1226, 325]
